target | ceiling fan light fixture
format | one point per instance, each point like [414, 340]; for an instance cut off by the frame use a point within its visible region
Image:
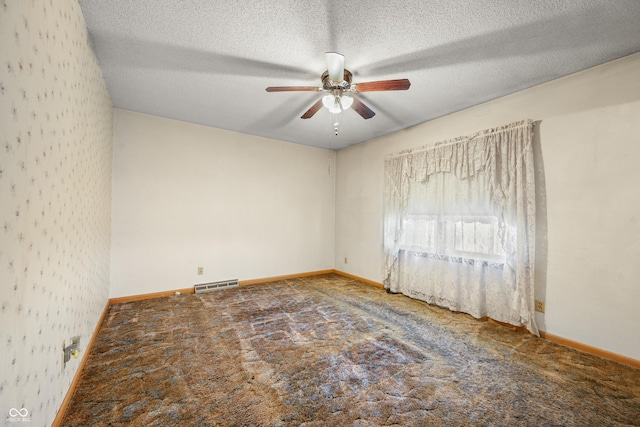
[346, 101]
[338, 89]
[328, 101]
[332, 103]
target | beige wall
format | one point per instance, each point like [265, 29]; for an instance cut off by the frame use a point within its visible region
[241, 206]
[588, 140]
[55, 201]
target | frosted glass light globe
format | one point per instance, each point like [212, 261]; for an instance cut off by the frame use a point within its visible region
[346, 101]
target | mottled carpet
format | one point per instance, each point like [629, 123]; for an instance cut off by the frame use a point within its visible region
[330, 351]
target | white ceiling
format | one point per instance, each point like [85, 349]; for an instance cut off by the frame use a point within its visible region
[209, 62]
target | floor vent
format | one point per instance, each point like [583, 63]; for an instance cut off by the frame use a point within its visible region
[208, 287]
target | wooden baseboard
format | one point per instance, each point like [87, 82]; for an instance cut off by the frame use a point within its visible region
[605, 354]
[139, 297]
[287, 277]
[76, 378]
[359, 279]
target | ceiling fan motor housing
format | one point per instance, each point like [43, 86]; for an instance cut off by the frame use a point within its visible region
[329, 85]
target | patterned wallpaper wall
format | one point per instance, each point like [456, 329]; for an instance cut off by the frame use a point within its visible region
[55, 194]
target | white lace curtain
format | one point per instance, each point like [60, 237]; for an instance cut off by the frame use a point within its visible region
[459, 224]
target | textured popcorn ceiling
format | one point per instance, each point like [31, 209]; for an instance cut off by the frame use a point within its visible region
[208, 62]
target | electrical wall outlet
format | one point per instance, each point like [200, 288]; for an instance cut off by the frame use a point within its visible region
[346, 260]
[200, 271]
[539, 306]
[71, 350]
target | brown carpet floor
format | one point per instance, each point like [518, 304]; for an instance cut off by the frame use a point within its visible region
[330, 351]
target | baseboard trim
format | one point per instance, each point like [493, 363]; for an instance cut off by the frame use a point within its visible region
[57, 421]
[139, 297]
[358, 278]
[605, 354]
[286, 277]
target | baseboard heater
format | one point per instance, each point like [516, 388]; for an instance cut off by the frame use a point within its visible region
[214, 286]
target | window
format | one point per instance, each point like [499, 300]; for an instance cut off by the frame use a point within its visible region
[472, 237]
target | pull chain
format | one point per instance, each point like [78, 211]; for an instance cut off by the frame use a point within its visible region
[332, 117]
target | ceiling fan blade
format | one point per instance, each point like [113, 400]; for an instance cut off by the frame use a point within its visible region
[313, 110]
[335, 66]
[399, 84]
[362, 109]
[292, 89]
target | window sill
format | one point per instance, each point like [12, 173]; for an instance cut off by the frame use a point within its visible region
[457, 259]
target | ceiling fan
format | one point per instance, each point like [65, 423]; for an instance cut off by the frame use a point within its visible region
[336, 83]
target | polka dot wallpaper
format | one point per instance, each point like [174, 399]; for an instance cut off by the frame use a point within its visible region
[56, 123]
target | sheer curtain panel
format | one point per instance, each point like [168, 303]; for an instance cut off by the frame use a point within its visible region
[459, 224]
